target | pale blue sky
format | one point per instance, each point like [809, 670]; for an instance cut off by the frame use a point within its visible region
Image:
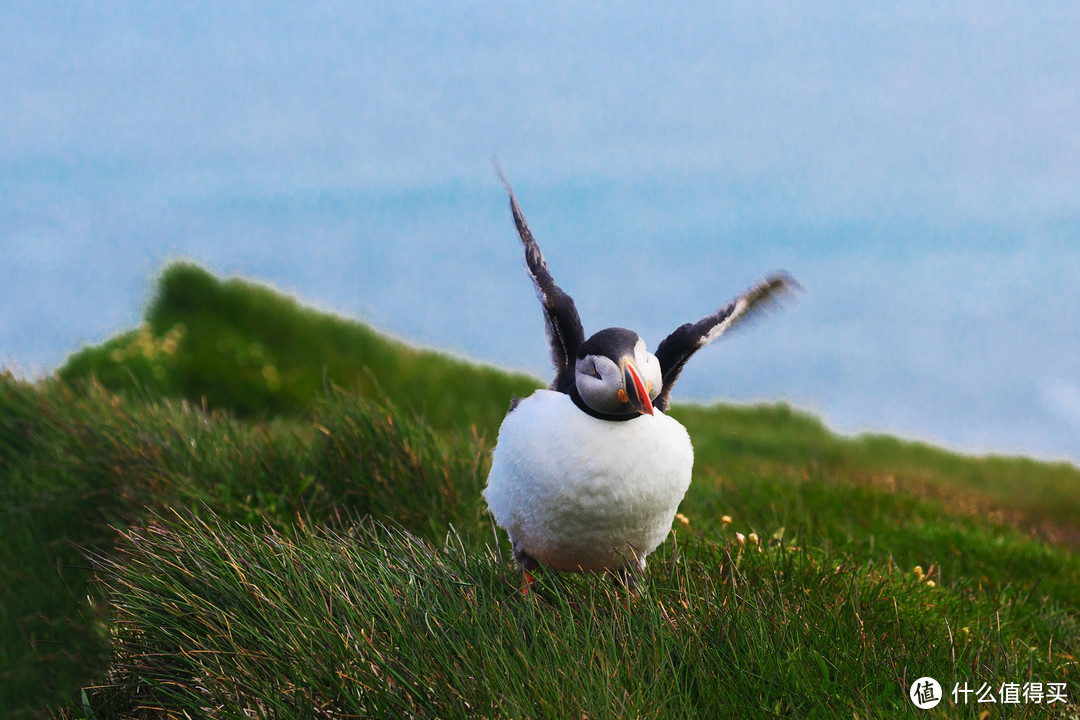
[917, 167]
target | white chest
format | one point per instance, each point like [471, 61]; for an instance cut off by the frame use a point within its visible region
[579, 493]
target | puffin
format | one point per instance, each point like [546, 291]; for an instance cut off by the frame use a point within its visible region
[587, 475]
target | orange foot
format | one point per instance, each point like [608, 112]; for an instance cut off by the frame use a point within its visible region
[528, 583]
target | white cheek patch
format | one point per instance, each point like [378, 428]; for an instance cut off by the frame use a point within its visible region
[608, 370]
[642, 356]
[601, 394]
[649, 367]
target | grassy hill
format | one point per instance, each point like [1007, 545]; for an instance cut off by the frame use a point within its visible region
[265, 544]
[240, 347]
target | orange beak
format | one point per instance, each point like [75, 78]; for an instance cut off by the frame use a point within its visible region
[637, 394]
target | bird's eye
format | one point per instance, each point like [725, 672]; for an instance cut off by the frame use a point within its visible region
[589, 368]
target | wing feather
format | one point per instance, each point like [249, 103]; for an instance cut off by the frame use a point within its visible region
[564, 330]
[679, 346]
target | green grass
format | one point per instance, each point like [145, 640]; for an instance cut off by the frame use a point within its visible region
[241, 347]
[373, 622]
[289, 549]
[1041, 497]
[77, 462]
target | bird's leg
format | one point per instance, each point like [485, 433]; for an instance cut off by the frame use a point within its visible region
[629, 575]
[527, 563]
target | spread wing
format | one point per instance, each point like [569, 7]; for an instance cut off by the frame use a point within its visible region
[564, 329]
[677, 347]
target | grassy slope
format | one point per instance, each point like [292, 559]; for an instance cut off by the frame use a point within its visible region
[241, 347]
[76, 463]
[829, 618]
[1037, 496]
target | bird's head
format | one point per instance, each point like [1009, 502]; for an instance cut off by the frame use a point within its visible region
[616, 375]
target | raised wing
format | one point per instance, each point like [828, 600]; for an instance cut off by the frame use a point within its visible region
[564, 330]
[677, 347]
